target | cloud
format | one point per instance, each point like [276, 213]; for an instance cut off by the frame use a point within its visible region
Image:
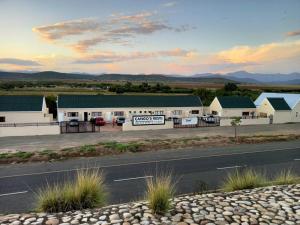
[118, 29]
[18, 62]
[169, 4]
[293, 33]
[112, 57]
[66, 28]
[262, 53]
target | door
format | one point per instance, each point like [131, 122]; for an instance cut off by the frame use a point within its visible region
[85, 116]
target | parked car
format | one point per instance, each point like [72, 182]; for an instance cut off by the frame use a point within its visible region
[99, 121]
[73, 123]
[120, 121]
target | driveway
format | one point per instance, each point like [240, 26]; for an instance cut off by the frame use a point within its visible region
[53, 142]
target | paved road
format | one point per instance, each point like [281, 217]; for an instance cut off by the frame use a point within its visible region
[126, 174]
[53, 142]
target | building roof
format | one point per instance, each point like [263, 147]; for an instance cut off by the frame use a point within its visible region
[14, 103]
[235, 102]
[291, 99]
[127, 101]
[279, 104]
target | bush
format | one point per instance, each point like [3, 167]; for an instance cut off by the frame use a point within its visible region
[123, 147]
[286, 177]
[159, 191]
[246, 179]
[87, 191]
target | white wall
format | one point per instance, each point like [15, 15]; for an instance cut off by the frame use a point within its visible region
[26, 117]
[29, 130]
[227, 122]
[295, 117]
[127, 126]
[107, 113]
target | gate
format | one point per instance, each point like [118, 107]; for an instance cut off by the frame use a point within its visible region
[202, 122]
[80, 127]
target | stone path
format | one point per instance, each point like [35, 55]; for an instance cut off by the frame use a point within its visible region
[270, 205]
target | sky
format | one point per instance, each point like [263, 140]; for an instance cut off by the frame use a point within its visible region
[182, 37]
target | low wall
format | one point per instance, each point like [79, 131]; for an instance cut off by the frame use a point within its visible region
[128, 126]
[29, 130]
[227, 122]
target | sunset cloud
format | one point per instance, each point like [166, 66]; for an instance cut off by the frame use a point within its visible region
[66, 28]
[118, 29]
[293, 33]
[112, 57]
[267, 52]
[18, 62]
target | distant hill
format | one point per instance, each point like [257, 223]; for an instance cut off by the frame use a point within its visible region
[236, 77]
[50, 75]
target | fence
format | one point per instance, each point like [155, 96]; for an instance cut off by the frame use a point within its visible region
[78, 127]
[28, 124]
[201, 122]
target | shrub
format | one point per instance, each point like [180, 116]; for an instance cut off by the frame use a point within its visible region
[87, 191]
[159, 191]
[286, 177]
[123, 147]
[246, 179]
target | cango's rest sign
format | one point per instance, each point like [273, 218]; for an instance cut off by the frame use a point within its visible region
[148, 120]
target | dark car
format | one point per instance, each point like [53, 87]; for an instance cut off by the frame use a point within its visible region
[99, 121]
[120, 121]
[209, 119]
[73, 123]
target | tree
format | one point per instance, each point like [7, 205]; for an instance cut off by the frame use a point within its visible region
[236, 121]
[230, 87]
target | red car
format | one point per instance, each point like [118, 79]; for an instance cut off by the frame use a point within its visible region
[99, 121]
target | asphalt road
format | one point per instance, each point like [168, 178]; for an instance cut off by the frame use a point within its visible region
[126, 174]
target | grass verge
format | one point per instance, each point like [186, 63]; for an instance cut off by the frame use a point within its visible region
[113, 147]
[87, 191]
[159, 192]
[286, 177]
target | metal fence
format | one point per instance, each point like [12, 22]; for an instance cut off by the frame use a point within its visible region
[81, 127]
[28, 124]
[201, 122]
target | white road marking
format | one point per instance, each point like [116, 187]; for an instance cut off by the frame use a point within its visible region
[133, 178]
[13, 193]
[230, 167]
[144, 162]
[297, 159]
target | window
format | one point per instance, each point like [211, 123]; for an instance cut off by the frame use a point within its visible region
[296, 114]
[141, 111]
[195, 112]
[130, 112]
[245, 113]
[2, 119]
[214, 113]
[158, 112]
[72, 114]
[145, 111]
[96, 114]
[119, 113]
[177, 112]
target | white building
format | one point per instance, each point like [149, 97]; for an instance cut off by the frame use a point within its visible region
[85, 107]
[232, 106]
[282, 107]
[24, 109]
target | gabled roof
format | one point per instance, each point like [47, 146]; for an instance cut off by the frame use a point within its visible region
[236, 102]
[279, 104]
[14, 103]
[291, 99]
[127, 101]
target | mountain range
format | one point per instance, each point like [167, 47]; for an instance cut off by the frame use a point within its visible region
[237, 77]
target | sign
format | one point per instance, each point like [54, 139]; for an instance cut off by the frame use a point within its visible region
[148, 120]
[189, 121]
